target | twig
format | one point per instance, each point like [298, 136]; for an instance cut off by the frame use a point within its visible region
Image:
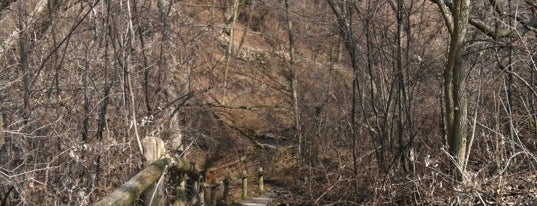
[327, 190]
[158, 184]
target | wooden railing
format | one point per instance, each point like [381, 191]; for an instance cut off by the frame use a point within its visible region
[149, 180]
[226, 182]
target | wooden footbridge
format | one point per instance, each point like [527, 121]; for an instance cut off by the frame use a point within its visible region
[188, 183]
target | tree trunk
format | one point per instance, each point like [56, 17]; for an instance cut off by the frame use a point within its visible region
[23, 44]
[230, 48]
[294, 81]
[2, 138]
[455, 88]
[343, 16]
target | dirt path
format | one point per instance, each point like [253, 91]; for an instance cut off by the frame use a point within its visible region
[274, 195]
[256, 201]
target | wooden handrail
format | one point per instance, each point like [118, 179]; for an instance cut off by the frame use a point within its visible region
[148, 180]
[132, 189]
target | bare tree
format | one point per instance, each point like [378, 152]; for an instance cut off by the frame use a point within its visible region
[293, 80]
[454, 83]
[23, 50]
[343, 13]
[457, 17]
[231, 45]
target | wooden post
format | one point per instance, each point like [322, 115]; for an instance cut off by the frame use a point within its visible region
[260, 174]
[244, 185]
[154, 149]
[213, 186]
[226, 181]
[200, 191]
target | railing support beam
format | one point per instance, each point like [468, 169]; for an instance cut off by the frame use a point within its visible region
[132, 189]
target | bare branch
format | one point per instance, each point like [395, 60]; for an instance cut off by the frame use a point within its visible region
[531, 25]
[446, 14]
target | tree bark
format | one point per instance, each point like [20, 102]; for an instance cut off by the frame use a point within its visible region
[2, 138]
[455, 87]
[230, 48]
[294, 81]
[23, 51]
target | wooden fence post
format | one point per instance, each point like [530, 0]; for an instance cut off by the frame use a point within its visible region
[154, 149]
[200, 191]
[213, 186]
[226, 181]
[260, 174]
[244, 185]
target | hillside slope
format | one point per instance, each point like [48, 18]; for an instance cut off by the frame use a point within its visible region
[82, 82]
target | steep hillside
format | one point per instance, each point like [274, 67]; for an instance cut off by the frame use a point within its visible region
[82, 82]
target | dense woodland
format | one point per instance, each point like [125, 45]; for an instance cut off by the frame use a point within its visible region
[346, 102]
